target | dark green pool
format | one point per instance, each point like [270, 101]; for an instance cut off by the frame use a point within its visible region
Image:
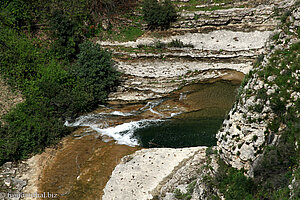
[196, 128]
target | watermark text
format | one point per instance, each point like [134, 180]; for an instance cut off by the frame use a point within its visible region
[44, 195]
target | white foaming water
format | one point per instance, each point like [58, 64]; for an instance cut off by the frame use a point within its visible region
[151, 105]
[174, 114]
[123, 133]
[120, 113]
[83, 120]
[89, 119]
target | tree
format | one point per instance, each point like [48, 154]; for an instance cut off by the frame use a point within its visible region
[159, 14]
[94, 68]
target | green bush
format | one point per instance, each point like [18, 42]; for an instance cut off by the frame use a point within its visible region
[94, 68]
[255, 137]
[16, 13]
[158, 15]
[19, 57]
[65, 33]
[182, 196]
[159, 44]
[60, 90]
[233, 183]
[29, 128]
[179, 44]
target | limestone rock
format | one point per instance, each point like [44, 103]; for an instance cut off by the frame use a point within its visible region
[142, 176]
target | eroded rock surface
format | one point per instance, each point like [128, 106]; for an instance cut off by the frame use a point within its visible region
[140, 175]
[244, 134]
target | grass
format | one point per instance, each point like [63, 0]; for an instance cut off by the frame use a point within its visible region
[129, 34]
[192, 5]
[188, 195]
[122, 34]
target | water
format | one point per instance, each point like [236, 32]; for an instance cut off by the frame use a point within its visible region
[122, 133]
[188, 117]
[196, 128]
[186, 132]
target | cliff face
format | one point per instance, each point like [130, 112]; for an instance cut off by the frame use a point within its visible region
[268, 96]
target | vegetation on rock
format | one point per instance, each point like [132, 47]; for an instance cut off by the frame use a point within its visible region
[158, 15]
[276, 170]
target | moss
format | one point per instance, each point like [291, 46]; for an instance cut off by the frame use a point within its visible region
[255, 137]
[258, 108]
[233, 184]
[188, 195]
[209, 151]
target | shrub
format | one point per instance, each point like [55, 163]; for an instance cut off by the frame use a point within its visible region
[209, 151]
[258, 108]
[285, 15]
[240, 145]
[176, 43]
[159, 44]
[30, 127]
[158, 15]
[255, 137]
[17, 13]
[61, 90]
[262, 94]
[237, 185]
[65, 33]
[233, 183]
[94, 69]
[277, 105]
[179, 44]
[19, 57]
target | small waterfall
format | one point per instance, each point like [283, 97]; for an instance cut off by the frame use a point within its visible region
[182, 96]
[123, 133]
[152, 104]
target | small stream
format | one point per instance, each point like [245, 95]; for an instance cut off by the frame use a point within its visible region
[188, 117]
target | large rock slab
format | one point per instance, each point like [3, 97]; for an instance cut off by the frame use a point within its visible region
[215, 40]
[141, 175]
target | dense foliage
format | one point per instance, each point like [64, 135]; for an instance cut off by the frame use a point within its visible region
[65, 32]
[95, 68]
[16, 13]
[158, 15]
[58, 83]
[19, 57]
